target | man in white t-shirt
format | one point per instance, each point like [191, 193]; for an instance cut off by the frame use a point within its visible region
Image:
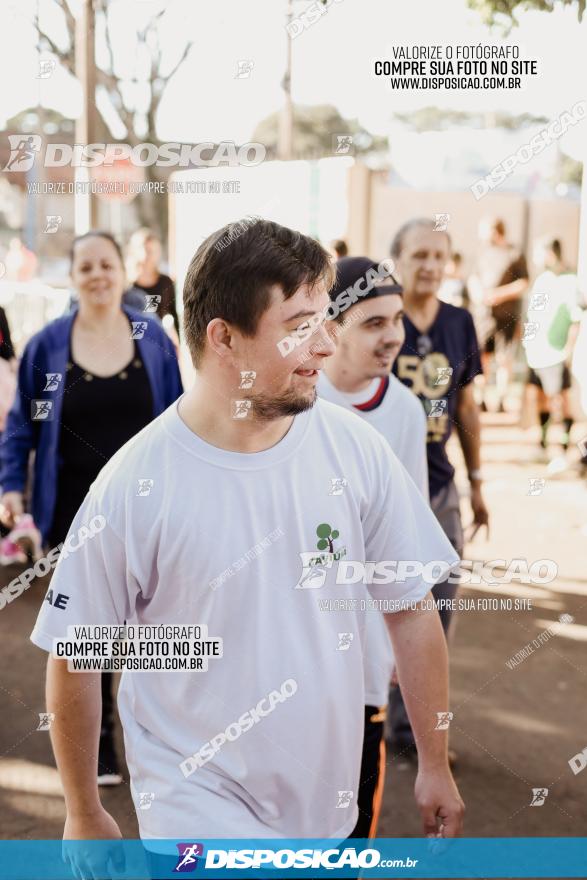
[368, 336]
[553, 308]
[221, 513]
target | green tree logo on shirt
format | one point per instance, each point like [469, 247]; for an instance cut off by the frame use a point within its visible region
[326, 535]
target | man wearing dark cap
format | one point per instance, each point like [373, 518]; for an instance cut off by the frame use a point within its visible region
[368, 336]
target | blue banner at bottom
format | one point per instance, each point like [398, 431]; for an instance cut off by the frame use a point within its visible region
[534, 857]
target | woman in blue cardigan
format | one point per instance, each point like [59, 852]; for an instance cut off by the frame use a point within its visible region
[88, 382]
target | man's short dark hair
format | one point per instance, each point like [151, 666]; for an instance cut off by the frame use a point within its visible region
[398, 239]
[498, 226]
[557, 249]
[232, 271]
[340, 248]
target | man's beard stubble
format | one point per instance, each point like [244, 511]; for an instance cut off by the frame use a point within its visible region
[266, 408]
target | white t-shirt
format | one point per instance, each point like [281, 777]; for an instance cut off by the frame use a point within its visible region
[153, 563]
[549, 292]
[397, 414]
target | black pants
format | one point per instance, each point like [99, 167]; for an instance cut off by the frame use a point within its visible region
[372, 773]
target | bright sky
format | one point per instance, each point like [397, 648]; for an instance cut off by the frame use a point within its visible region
[332, 61]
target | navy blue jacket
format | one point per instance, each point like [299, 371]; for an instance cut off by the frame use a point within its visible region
[48, 352]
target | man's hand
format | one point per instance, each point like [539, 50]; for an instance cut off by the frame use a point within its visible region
[11, 509]
[97, 825]
[439, 802]
[480, 512]
[89, 860]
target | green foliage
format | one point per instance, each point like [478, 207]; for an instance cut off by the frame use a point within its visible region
[436, 119]
[313, 131]
[503, 12]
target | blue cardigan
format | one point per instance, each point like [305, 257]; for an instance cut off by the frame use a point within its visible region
[48, 352]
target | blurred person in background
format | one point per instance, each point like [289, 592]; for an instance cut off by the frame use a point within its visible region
[338, 249]
[553, 315]
[453, 289]
[438, 362]
[87, 383]
[503, 278]
[8, 366]
[21, 263]
[142, 266]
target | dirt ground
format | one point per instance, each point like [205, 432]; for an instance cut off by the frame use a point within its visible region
[513, 729]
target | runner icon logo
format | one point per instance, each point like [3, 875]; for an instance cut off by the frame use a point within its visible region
[337, 485]
[539, 796]
[444, 719]
[188, 853]
[52, 381]
[152, 302]
[441, 222]
[146, 798]
[41, 410]
[45, 720]
[247, 379]
[344, 641]
[138, 329]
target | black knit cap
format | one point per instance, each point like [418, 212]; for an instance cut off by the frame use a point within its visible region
[350, 269]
